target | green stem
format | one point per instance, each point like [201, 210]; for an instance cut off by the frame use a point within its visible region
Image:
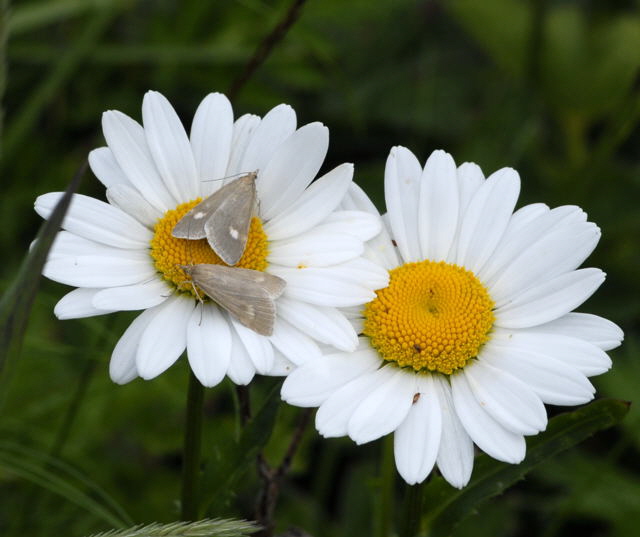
[384, 508]
[409, 524]
[4, 38]
[192, 441]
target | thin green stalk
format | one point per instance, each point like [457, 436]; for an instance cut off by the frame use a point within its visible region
[192, 441]
[4, 37]
[60, 73]
[409, 523]
[536, 37]
[385, 508]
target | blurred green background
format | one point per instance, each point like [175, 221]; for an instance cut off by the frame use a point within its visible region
[551, 88]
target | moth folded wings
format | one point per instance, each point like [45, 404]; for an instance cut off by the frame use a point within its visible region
[223, 218]
[248, 295]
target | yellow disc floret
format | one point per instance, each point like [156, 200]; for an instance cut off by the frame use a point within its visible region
[169, 253]
[431, 317]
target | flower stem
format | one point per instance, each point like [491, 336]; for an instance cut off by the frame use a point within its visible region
[384, 501]
[409, 524]
[192, 437]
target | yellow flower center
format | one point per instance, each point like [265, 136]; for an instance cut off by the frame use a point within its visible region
[169, 253]
[432, 316]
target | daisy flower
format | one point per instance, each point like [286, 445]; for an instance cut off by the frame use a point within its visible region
[475, 331]
[121, 255]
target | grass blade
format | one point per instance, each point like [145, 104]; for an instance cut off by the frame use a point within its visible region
[202, 528]
[448, 506]
[17, 301]
[62, 479]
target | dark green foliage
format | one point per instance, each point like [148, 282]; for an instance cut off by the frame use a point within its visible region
[447, 507]
[548, 87]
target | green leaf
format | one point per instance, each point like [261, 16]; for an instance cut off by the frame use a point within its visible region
[62, 479]
[448, 506]
[485, 21]
[601, 55]
[234, 458]
[16, 302]
[201, 528]
[31, 17]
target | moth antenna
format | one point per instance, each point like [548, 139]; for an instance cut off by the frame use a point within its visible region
[201, 313]
[227, 177]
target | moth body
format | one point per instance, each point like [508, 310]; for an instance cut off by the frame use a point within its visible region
[223, 219]
[248, 295]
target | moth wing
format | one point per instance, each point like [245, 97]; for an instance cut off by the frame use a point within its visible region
[191, 225]
[273, 285]
[227, 228]
[246, 294]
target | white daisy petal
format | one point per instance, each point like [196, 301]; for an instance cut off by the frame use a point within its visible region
[318, 248]
[281, 365]
[320, 288]
[402, 191]
[165, 337]
[314, 205]
[470, 179]
[554, 382]
[208, 344]
[98, 221]
[523, 232]
[276, 126]
[584, 356]
[549, 300]
[455, 456]
[78, 304]
[133, 297]
[258, 347]
[385, 408]
[170, 147]
[312, 383]
[359, 270]
[486, 218]
[438, 206]
[122, 367]
[100, 270]
[524, 216]
[334, 414]
[211, 135]
[380, 248]
[554, 254]
[68, 244]
[360, 224]
[241, 369]
[296, 346]
[417, 439]
[127, 141]
[105, 167]
[326, 325]
[488, 434]
[506, 399]
[129, 200]
[297, 159]
[243, 130]
[597, 330]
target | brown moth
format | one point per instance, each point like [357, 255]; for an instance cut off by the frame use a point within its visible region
[223, 218]
[248, 295]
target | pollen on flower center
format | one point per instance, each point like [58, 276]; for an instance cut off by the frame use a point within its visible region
[169, 253]
[432, 316]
